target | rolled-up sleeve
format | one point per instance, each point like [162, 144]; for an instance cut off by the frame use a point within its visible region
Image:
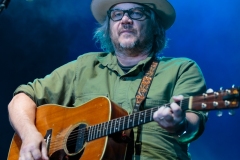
[55, 88]
[190, 82]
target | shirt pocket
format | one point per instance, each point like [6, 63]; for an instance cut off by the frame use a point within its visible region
[86, 97]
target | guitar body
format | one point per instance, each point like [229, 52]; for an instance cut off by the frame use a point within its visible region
[58, 123]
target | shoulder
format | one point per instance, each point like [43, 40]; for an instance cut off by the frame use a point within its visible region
[82, 60]
[95, 58]
[174, 60]
[91, 56]
[180, 62]
[178, 65]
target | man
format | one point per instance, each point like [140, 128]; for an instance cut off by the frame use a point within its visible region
[132, 33]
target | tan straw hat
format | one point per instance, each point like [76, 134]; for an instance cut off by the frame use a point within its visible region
[163, 9]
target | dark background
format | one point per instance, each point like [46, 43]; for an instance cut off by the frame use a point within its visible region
[38, 36]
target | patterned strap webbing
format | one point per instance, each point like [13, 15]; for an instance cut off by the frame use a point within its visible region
[141, 96]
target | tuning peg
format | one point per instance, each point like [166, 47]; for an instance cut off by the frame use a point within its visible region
[221, 89]
[231, 112]
[219, 113]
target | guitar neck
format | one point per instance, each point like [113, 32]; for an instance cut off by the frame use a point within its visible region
[120, 124]
[126, 122]
[224, 99]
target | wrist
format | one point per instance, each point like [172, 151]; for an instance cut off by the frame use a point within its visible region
[186, 131]
[182, 128]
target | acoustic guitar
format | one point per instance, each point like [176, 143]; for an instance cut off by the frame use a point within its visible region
[99, 129]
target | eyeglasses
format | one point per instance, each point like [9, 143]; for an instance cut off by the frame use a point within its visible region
[137, 13]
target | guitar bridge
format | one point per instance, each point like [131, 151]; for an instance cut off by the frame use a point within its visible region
[47, 138]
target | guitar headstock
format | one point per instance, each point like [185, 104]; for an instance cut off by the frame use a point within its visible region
[223, 99]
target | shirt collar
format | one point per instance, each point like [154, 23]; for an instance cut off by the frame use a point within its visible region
[110, 60]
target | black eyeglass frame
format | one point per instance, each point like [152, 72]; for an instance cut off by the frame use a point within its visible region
[142, 9]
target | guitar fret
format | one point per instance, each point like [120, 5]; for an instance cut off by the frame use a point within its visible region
[141, 117]
[110, 127]
[133, 119]
[117, 124]
[103, 129]
[120, 123]
[123, 121]
[127, 119]
[137, 118]
[123, 127]
[99, 131]
[89, 133]
[94, 129]
[92, 132]
[151, 115]
[130, 121]
[114, 129]
[145, 116]
[107, 128]
[113, 126]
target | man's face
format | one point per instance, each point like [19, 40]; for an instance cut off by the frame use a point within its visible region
[128, 33]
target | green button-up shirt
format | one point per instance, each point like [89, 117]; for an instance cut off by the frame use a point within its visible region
[98, 74]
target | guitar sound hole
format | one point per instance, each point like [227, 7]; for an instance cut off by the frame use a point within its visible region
[76, 140]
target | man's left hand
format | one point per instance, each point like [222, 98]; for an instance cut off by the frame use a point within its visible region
[169, 118]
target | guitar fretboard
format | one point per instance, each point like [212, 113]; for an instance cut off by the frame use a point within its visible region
[123, 123]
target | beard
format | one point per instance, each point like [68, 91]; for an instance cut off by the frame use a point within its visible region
[128, 45]
[135, 47]
[132, 42]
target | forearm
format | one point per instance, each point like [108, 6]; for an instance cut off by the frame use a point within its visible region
[22, 114]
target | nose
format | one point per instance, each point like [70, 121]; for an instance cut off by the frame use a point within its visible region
[126, 19]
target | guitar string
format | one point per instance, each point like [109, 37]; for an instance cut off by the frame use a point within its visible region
[71, 140]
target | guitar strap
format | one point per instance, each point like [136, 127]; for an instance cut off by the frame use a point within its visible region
[141, 96]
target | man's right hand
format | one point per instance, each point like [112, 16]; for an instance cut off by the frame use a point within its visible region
[22, 112]
[33, 147]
